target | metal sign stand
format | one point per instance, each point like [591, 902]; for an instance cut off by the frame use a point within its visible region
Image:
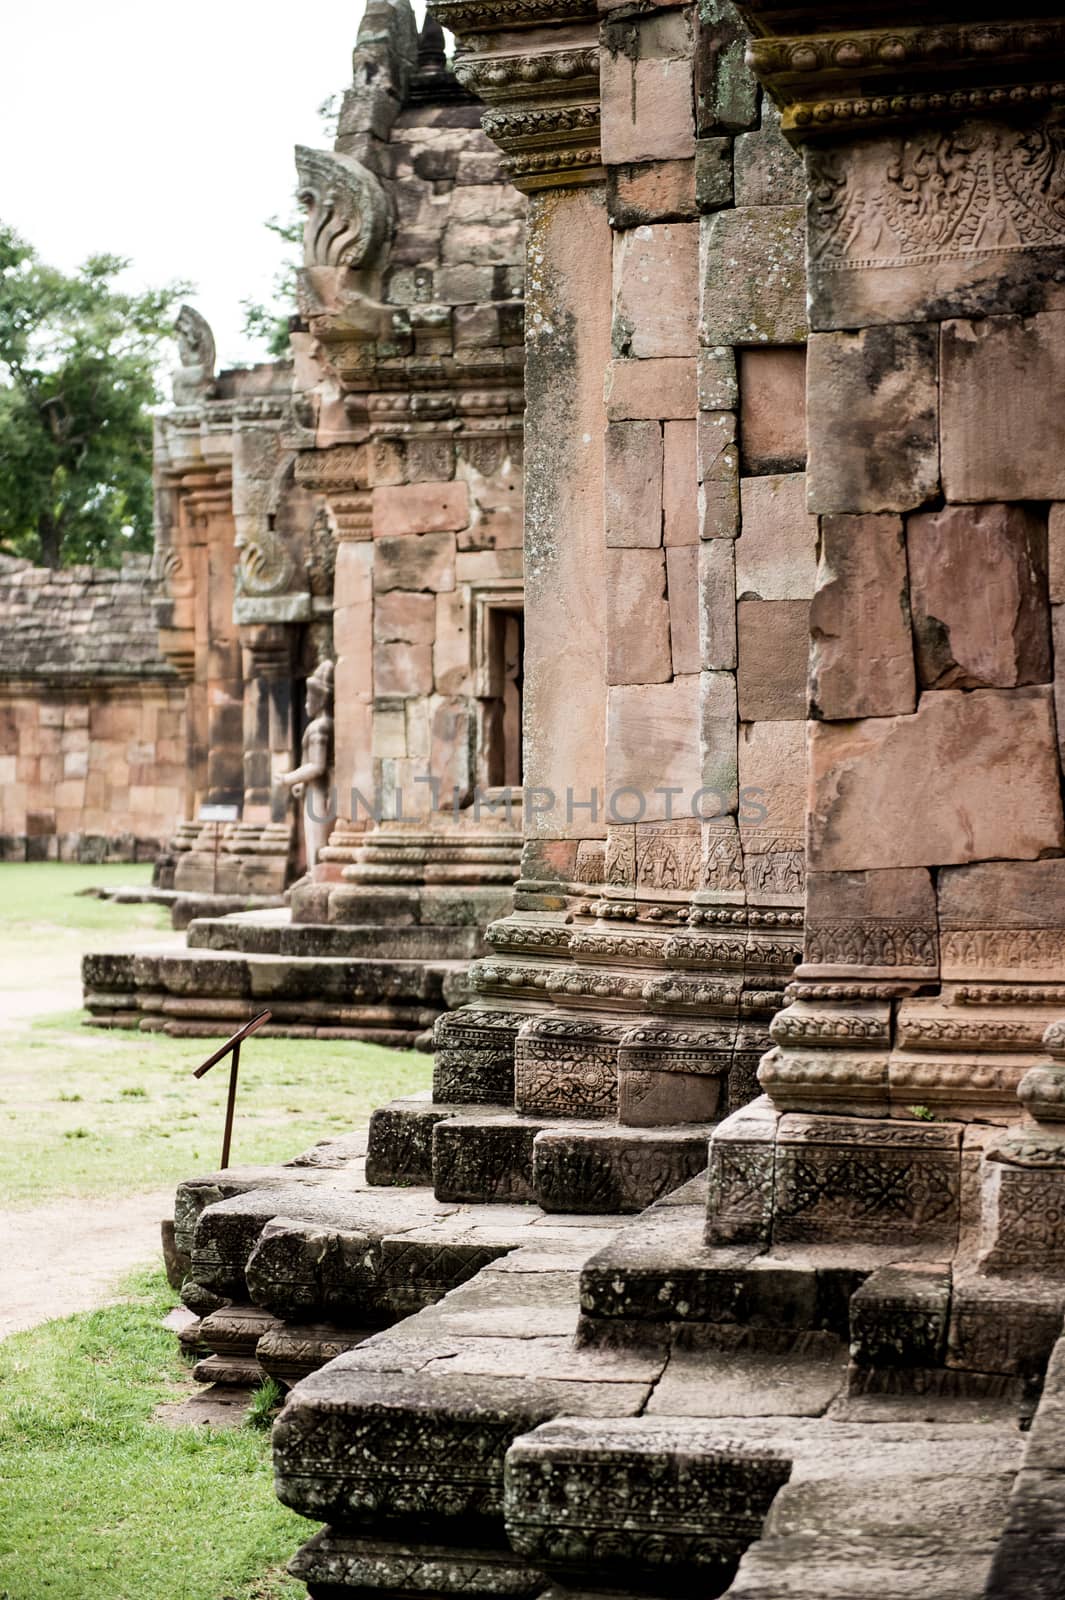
[218, 814]
[233, 1045]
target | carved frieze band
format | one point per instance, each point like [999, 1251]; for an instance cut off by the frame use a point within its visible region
[871, 944]
[841, 80]
[466, 17]
[937, 194]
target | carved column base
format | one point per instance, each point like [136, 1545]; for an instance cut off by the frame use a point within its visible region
[872, 1049]
[626, 1010]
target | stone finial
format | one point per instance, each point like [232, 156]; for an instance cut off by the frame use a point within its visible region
[432, 52]
[1038, 1140]
[347, 212]
[194, 379]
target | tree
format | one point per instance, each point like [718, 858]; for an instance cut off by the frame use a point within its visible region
[271, 323]
[78, 363]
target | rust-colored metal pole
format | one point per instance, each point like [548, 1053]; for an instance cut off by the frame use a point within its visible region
[231, 1105]
[232, 1046]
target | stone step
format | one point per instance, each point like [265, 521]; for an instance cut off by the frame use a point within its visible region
[323, 1248]
[605, 1167]
[393, 904]
[330, 1161]
[318, 1249]
[808, 1507]
[355, 1447]
[313, 940]
[1030, 1558]
[290, 1352]
[336, 1562]
[901, 1512]
[628, 1505]
[179, 990]
[416, 1422]
[491, 1153]
[658, 1278]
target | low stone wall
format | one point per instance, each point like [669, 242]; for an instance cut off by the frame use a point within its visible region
[92, 720]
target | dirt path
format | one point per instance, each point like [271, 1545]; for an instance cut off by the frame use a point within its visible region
[70, 1255]
[36, 984]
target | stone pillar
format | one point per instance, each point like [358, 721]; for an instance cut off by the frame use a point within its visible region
[659, 907]
[936, 904]
[935, 781]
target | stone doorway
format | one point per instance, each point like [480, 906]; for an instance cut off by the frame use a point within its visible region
[503, 641]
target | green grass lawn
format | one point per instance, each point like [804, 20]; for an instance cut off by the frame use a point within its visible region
[97, 1499]
[93, 1112]
[88, 1112]
[46, 899]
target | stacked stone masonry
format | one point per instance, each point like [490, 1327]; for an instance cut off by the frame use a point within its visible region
[791, 543]
[357, 513]
[92, 718]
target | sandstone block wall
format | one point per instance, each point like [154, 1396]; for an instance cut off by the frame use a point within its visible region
[711, 553]
[409, 376]
[92, 720]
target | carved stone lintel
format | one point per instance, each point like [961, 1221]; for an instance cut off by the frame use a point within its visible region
[828, 78]
[543, 104]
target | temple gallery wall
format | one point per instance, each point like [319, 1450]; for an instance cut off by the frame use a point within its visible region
[672, 412]
[92, 718]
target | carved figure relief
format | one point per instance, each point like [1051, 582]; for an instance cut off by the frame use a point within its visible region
[723, 863]
[311, 781]
[667, 857]
[942, 193]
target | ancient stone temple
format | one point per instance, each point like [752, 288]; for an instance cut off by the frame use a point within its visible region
[728, 1255]
[231, 528]
[358, 508]
[92, 724]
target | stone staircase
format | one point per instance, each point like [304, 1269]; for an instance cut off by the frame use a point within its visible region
[497, 1398]
[504, 1455]
[558, 1359]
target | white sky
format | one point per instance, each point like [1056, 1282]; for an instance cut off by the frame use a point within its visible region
[165, 132]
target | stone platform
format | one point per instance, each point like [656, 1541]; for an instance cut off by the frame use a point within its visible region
[498, 1398]
[376, 960]
[183, 990]
[504, 1454]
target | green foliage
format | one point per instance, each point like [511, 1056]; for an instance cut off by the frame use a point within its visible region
[270, 323]
[78, 359]
[922, 1113]
[72, 1121]
[264, 1405]
[97, 1497]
